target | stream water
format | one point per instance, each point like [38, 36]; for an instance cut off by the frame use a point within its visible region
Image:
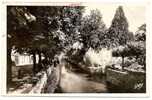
[72, 82]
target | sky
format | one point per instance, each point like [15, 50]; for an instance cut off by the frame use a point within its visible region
[135, 14]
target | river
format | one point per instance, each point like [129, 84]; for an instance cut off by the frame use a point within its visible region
[72, 82]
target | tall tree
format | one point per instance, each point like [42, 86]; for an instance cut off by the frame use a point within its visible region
[92, 30]
[90, 35]
[118, 32]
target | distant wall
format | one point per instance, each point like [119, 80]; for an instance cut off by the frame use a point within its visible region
[23, 59]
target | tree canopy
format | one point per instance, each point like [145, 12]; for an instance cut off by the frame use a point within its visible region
[41, 30]
[118, 32]
[92, 29]
[141, 33]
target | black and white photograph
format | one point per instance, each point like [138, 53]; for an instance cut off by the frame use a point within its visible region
[76, 48]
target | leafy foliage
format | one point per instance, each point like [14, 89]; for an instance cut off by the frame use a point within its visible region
[92, 30]
[141, 38]
[136, 49]
[118, 32]
[141, 33]
[90, 35]
[17, 28]
[51, 26]
[41, 30]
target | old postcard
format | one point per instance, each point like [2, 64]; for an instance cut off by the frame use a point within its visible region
[74, 48]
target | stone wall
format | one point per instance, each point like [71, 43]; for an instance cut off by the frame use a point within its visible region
[48, 81]
[127, 80]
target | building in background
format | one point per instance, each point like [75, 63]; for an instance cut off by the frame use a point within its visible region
[22, 59]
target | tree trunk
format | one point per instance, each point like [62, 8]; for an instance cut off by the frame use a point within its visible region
[122, 63]
[34, 63]
[40, 58]
[40, 61]
[60, 73]
[137, 57]
[9, 68]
